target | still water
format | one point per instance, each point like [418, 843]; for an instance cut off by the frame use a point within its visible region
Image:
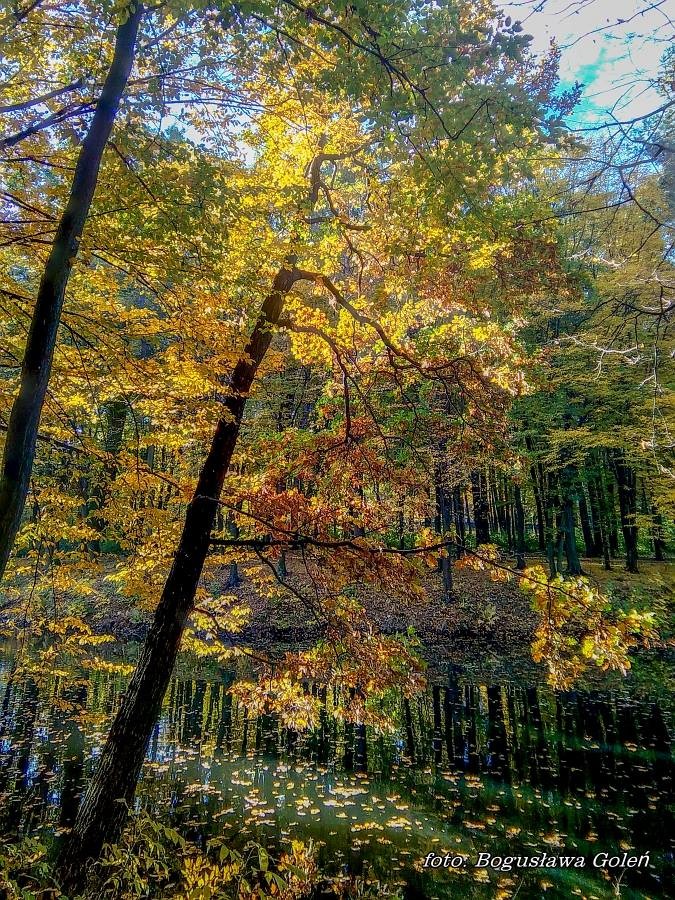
[477, 764]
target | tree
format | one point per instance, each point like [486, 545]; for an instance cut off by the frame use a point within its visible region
[360, 210]
[24, 420]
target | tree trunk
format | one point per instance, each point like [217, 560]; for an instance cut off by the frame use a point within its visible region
[508, 516]
[539, 505]
[538, 485]
[584, 518]
[551, 533]
[458, 504]
[610, 508]
[469, 521]
[595, 515]
[481, 507]
[571, 554]
[657, 535]
[115, 416]
[601, 515]
[519, 526]
[24, 420]
[560, 540]
[626, 481]
[499, 502]
[111, 790]
[445, 522]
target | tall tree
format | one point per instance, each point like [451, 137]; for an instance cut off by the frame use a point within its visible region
[358, 313]
[24, 420]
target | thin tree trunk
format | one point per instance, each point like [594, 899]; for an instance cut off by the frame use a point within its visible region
[551, 533]
[469, 521]
[604, 541]
[539, 505]
[657, 535]
[493, 522]
[560, 540]
[573, 564]
[610, 508]
[499, 502]
[458, 504]
[594, 510]
[115, 416]
[508, 515]
[481, 507]
[111, 790]
[22, 430]
[627, 482]
[584, 518]
[445, 522]
[519, 526]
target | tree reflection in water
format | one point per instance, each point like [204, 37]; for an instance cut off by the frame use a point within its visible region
[469, 766]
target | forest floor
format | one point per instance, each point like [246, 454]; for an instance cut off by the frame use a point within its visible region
[482, 624]
[480, 613]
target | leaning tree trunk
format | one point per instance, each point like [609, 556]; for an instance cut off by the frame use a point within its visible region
[22, 430]
[111, 790]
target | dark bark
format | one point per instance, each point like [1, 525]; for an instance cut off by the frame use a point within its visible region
[493, 519]
[458, 506]
[595, 516]
[584, 517]
[499, 503]
[568, 529]
[541, 522]
[444, 518]
[22, 429]
[610, 515]
[627, 483]
[480, 507]
[603, 518]
[469, 520]
[560, 540]
[508, 516]
[282, 568]
[111, 789]
[519, 526]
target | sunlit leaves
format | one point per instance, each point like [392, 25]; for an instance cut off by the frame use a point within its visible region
[578, 626]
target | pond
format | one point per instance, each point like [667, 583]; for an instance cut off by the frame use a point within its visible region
[496, 764]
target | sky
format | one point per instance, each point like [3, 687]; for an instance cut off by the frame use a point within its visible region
[615, 60]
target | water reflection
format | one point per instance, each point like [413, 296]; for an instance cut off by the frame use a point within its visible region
[469, 767]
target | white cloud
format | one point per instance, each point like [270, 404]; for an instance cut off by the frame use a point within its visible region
[616, 60]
